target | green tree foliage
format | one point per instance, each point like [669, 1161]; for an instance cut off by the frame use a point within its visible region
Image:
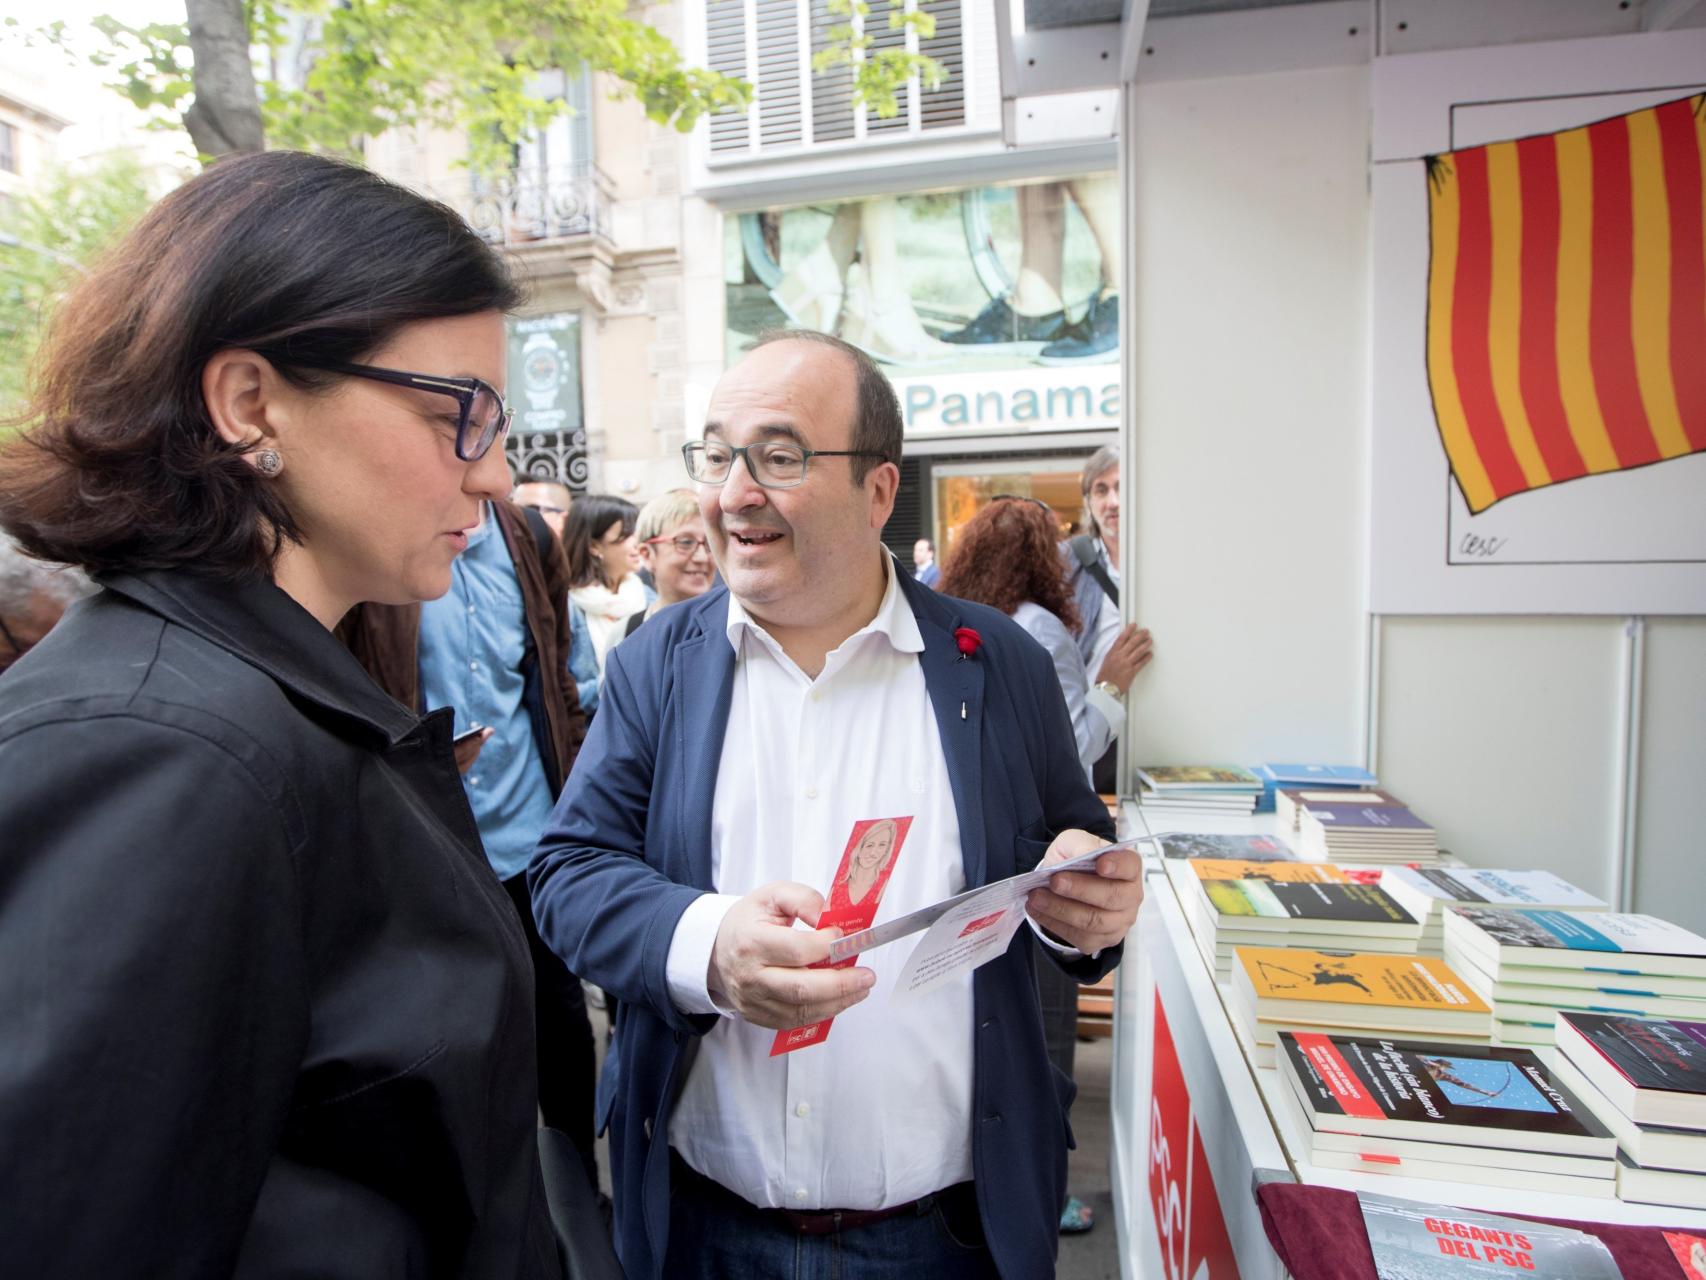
[47, 235]
[880, 74]
[374, 65]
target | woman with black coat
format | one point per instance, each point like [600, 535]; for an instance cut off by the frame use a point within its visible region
[267, 1011]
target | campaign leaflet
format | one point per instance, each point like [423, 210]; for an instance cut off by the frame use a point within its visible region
[1477, 1095]
[854, 892]
[1412, 1241]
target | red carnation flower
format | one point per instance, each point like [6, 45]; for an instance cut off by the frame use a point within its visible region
[968, 640]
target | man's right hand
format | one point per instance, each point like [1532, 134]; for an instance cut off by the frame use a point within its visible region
[1131, 653]
[758, 962]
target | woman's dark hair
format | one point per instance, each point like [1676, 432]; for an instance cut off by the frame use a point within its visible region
[294, 256]
[1009, 553]
[589, 519]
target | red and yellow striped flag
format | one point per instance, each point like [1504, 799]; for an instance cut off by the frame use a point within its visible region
[1567, 301]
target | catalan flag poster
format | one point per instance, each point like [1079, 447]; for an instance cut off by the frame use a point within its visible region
[1566, 301]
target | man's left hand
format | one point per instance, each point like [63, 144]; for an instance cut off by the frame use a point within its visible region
[1089, 911]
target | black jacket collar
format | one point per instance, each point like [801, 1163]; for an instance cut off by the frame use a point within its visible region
[261, 625]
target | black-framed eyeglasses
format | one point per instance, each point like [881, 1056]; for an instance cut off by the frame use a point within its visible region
[775, 464]
[685, 544]
[484, 418]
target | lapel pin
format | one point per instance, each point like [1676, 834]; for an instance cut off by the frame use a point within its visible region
[962, 711]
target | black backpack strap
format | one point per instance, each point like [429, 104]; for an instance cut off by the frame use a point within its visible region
[1084, 551]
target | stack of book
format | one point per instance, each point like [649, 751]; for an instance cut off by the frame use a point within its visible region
[1288, 904]
[1198, 789]
[1351, 992]
[1290, 802]
[1313, 777]
[1423, 1109]
[1424, 891]
[1374, 833]
[1646, 1081]
[1246, 848]
[1530, 964]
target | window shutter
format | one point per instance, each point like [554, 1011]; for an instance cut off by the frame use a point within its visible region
[945, 106]
[725, 51]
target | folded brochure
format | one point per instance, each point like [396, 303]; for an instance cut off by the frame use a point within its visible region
[966, 930]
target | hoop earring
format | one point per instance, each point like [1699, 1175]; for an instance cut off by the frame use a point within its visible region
[269, 463]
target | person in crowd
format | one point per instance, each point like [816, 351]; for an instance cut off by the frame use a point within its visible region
[605, 588]
[924, 566]
[494, 650]
[743, 736]
[671, 537]
[550, 498]
[1094, 561]
[33, 597]
[269, 1012]
[1007, 557]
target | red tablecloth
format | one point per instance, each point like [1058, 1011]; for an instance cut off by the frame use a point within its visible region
[1318, 1234]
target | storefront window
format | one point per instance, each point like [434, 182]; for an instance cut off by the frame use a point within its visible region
[963, 489]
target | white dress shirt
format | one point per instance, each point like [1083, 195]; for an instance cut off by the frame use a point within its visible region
[880, 1113]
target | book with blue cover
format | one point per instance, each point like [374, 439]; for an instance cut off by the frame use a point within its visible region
[1275, 776]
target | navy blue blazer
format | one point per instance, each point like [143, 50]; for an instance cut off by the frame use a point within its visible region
[629, 847]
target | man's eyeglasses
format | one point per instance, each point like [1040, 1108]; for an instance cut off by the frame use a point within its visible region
[484, 417]
[685, 544]
[775, 464]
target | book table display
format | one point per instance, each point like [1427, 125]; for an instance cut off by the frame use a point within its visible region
[1198, 1127]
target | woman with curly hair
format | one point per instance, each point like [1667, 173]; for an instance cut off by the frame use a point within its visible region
[1008, 556]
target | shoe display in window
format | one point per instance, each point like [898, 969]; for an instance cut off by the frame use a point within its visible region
[1000, 330]
[1093, 339]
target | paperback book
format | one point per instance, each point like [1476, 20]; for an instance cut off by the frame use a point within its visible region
[1648, 1145]
[1245, 848]
[1478, 1097]
[1322, 776]
[1505, 942]
[1290, 802]
[1162, 778]
[1652, 1069]
[1347, 988]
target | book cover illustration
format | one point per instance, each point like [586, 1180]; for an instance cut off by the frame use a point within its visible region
[1266, 900]
[1503, 888]
[855, 891]
[1650, 1053]
[1613, 932]
[1354, 978]
[1412, 1241]
[1246, 848]
[1367, 817]
[1335, 775]
[1477, 1094]
[1163, 776]
[1273, 872]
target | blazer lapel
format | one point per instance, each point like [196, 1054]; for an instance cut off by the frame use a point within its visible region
[956, 695]
[704, 678]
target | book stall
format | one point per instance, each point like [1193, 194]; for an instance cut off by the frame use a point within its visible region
[1348, 1055]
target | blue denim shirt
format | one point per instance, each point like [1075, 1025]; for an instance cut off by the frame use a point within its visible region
[472, 642]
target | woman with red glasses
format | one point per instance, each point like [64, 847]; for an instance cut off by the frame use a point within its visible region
[671, 534]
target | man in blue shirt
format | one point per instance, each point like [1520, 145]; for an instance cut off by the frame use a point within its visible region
[494, 649]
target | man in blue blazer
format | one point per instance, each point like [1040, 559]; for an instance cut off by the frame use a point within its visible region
[739, 738]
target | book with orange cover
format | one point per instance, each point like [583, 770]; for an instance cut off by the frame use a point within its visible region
[1356, 988]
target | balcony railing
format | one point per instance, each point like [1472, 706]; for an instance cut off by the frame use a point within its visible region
[532, 204]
